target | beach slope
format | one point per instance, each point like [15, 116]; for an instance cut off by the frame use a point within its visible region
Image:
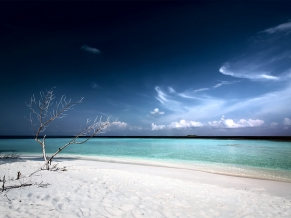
[87, 188]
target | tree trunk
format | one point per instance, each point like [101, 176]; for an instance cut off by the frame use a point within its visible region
[44, 154]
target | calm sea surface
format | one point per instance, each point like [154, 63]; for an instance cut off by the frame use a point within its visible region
[251, 158]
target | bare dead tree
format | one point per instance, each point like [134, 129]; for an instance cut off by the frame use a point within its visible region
[46, 110]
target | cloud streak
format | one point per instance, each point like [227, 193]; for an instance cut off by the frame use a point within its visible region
[90, 49]
[222, 83]
[230, 70]
[203, 108]
[187, 104]
[271, 102]
[279, 28]
[192, 93]
[168, 99]
[268, 58]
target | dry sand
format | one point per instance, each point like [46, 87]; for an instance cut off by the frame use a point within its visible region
[100, 189]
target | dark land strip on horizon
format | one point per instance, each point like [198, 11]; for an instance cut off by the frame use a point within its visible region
[270, 138]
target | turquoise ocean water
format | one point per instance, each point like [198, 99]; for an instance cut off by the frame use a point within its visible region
[250, 158]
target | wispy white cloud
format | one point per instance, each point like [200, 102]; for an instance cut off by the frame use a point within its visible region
[168, 100]
[90, 49]
[230, 123]
[204, 107]
[245, 73]
[224, 83]
[222, 124]
[182, 124]
[188, 104]
[279, 28]
[269, 103]
[171, 90]
[162, 96]
[192, 93]
[119, 125]
[156, 111]
[200, 90]
[267, 58]
[187, 94]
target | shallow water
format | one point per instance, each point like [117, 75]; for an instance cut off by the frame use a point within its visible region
[252, 158]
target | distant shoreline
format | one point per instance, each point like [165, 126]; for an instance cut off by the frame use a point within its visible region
[269, 138]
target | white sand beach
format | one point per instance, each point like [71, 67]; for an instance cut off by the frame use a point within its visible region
[90, 188]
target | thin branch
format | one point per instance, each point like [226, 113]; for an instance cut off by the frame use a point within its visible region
[46, 100]
[96, 127]
[3, 183]
[7, 197]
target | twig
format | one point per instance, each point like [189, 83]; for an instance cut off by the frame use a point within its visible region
[40, 185]
[17, 186]
[3, 184]
[10, 156]
[7, 197]
[40, 169]
[18, 175]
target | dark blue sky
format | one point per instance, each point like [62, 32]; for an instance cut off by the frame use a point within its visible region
[161, 68]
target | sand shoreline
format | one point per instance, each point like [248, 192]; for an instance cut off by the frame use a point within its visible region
[101, 189]
[226, 170]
